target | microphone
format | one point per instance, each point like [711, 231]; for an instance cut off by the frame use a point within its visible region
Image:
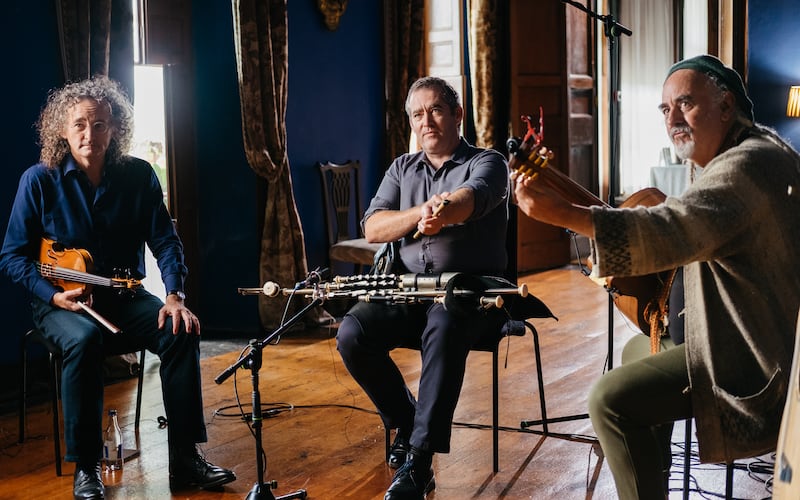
[314, 277]
[270, 289]
[513, 144]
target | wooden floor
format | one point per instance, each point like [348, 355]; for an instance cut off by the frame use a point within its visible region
[324, 437]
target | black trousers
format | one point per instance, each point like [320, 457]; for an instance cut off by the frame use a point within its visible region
[370, 331]
[84, 344]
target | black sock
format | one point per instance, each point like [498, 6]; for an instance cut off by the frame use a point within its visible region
[86, 464]
[421, 458]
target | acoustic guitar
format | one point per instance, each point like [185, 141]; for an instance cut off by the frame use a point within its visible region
[642, 299]
[786, 483]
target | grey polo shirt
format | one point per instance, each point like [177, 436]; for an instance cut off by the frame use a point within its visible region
[477, 245]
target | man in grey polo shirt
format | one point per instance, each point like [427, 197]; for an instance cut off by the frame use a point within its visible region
[447, 206]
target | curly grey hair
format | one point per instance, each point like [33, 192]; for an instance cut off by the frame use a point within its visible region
[52, 119]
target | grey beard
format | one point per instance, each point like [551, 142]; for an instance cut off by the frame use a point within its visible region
[684, 150]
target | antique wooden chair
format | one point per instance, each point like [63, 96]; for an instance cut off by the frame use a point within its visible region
[343, 212]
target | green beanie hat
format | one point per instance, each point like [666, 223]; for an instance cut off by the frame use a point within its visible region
[711, 65]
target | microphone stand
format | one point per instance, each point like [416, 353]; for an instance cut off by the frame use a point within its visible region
[262, 490]
[612, 30]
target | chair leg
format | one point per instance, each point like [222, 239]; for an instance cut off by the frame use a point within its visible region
[540, 378]
[55, 386]
[23, 387]
[495, 414]
[544, 421]
[729, 481]
[388, 438]
[495, 418]
[139, 391]
[687, 457]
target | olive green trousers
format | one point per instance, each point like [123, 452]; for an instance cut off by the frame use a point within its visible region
[633, 407]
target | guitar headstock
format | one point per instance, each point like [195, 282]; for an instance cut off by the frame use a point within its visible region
[529, 156]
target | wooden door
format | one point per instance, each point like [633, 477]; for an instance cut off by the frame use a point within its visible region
[552, 66]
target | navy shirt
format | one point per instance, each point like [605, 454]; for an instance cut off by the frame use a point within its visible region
[477, 245]
[112, 222]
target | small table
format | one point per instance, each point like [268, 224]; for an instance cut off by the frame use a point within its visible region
[672, 179]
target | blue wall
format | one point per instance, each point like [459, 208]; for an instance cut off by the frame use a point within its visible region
[32, 67]
[334, 112]
[774, 62]
[335, 107]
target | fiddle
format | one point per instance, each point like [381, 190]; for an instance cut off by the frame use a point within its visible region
[68, 269]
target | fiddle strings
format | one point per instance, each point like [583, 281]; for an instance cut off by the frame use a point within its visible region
[51, 271]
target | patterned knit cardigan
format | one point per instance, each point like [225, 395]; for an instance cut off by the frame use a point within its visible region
[737, 232]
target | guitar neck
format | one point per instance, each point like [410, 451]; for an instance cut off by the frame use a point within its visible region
[568, 188]
[56, 272]
[534, 161]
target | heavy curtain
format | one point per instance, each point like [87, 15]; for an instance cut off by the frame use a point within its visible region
[488, 51]
[488, 45]
[403, 42]
[260, 33]
[96, 38]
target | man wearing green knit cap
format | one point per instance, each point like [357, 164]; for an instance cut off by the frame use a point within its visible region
[734, 233]
[725, 77]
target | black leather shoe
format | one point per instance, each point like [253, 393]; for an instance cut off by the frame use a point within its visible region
[411, 481]
[87, 484]
[398, 451]
[187, 468]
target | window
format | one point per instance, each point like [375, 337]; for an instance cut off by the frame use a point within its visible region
[149, 134]
[644, 60]
[149, 138]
